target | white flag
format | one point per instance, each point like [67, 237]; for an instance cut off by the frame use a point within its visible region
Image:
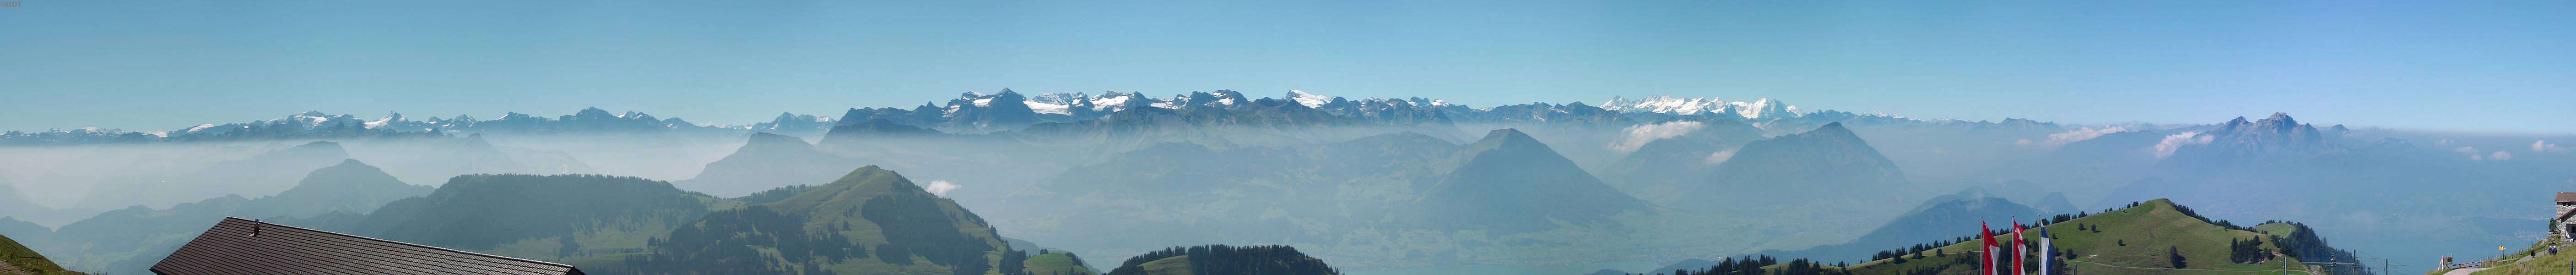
[2045, 253]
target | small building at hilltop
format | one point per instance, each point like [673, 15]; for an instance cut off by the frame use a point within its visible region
[2558, 223]
[240, 246]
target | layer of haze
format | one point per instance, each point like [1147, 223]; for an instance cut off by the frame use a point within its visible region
[157, 66]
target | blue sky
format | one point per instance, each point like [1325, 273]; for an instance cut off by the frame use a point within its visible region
[155, 65]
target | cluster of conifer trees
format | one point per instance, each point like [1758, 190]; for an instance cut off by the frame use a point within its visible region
[1753, 266]
[2247, 251]
[1223, 259]
[2304, 244]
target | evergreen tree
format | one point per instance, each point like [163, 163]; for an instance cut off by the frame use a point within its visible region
[2175, 254]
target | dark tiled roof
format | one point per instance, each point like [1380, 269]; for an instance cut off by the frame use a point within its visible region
[2566, 196]
[231, 248]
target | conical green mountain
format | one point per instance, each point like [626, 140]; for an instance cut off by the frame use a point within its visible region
[1511, 183]
[870, 221]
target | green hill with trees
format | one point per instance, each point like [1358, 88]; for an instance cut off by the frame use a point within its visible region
[2152, 237]
[870, 221]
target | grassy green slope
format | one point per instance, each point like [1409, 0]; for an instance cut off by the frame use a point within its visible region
[17, 255]
[1055, 264]
[2534, 260]
[2147, 231]
[842, 201]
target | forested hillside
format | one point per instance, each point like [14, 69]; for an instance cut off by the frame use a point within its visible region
[1224, 259]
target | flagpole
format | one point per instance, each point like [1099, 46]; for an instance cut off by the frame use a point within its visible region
[2045, 252]
[1986, 249]
[2019, 252]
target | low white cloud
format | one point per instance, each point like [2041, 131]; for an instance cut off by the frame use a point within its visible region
[2545, 146]
[2072, 136]
[1720, 157]
[2023, 142]
[940, 187]
[1638, 136]
[2177, 141]
[2475, 154]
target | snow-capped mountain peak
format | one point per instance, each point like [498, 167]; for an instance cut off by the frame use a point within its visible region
[1765, 108]
[1665, 104]
[1760, 109]
[1310, 100]
[1112, 101]
[1049, 108]
[388, 119]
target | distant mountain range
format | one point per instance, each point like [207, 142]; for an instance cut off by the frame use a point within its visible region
[1761, 109]
[969, 113]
